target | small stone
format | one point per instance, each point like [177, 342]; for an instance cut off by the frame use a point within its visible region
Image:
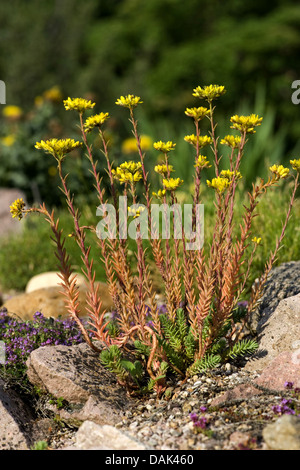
[284, 434]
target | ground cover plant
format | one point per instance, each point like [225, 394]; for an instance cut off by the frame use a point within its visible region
[201, 323]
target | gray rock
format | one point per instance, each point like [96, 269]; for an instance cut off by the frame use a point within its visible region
[284, 434]
[76, 374]
[91, 436]
[278, 333]
[15, 421]
[283, 282]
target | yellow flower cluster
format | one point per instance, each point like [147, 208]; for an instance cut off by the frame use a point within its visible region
[58, 147]
[164, 147]
[233, 141]
[17, 207]
[230, 174]
[295, 164]
[129, 101]
[160, 193]
[210, 92]
[256, 240]
[172, 184]
[53, 94]
[135, 212]
[130, 145]
[220, 184]
[202, 140]
[279, 171]
[78, 104]
[197, 113]
[246, 123]
[95, 121]
[202, 162]
[128, 172]
[163, 169]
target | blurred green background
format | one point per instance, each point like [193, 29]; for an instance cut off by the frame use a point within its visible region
[159, 50]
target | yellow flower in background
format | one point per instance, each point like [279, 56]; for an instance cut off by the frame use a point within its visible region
[202, 162]
[219, 183]
[279, 171]
[197, 113]
[58, 147]
[95, 121]
[172, 184]
[232, 141]
[16, 208]
[246, 123]
[256, 240]
[202, 140]
[210, 92]
[130, 145]
[164, 147]
[230, 174]
[163, 169]
[135, 212]
[78, 104]
[295, 164]
[12, 112]
[160, 193]
[53, 94]
[129, 101]
[8, 140]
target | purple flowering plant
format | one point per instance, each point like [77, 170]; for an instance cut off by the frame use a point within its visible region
[290, 406]
[22, 337]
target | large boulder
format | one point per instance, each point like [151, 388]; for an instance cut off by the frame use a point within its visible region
[283, 282]
[49, 279]
[278, 333]
[76, 374]
[51, 302]
[15, 421]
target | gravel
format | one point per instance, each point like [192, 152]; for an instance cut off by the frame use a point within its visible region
[167, 424]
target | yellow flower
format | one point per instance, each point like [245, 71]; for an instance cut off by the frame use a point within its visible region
[246, 123]
[232, 141]
[164, 147]
[135, 212]
[230, 174]
[295, 164]
[12, 112]
[256, 240]
[279, 171]
[197, 113]
[160, 193]
[17, 207]
[163, 169]
[209, 92]
[8, 140]
[58, 147]
[219, 183]
[129, 101]
[130, 145]
[78, 104]
[202, 140]
[172, 184]
[202, 162]
[95, 121]
[128, 172]
[53, 94]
